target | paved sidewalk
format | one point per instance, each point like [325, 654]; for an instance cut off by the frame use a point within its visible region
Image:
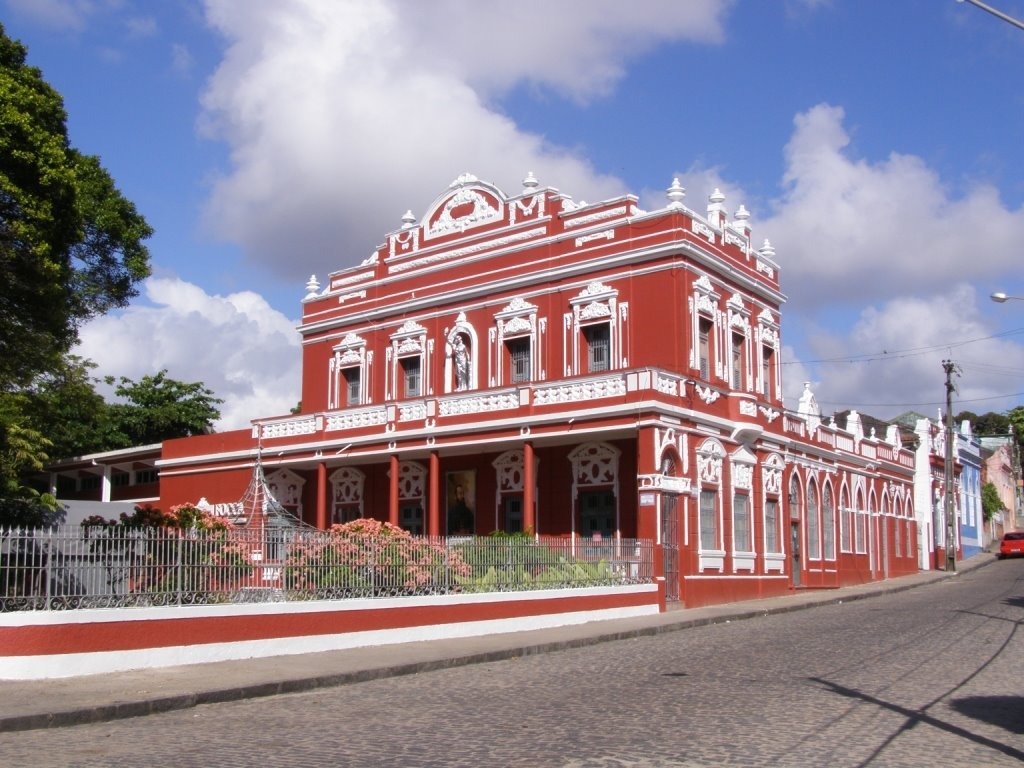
[26, 705]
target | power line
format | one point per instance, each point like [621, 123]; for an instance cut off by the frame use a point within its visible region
[899, 354]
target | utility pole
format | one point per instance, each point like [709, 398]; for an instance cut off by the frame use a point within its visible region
[950, 367]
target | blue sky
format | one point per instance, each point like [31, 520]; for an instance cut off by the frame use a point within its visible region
[876, 143]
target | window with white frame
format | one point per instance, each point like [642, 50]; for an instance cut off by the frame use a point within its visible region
[407, 362]
[598, 339]
[596, 325]
[828, 522]
[515, 344]
[519, 358]
[860, 533]
[411, 376]
[736, 360]
[347, 495]
[767, 368]
[767, 334]
[845, 522]
[352, 385]
[772, 538]
[704, 347]
[348, 373]
[813, 523]
[709, 529]
[742, 535]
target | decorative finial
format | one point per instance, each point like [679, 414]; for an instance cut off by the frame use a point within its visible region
[716, 196]
[312, 286]
[530, 182]
[742, 214]
[675, 194]
[766, 250]
[408, 220]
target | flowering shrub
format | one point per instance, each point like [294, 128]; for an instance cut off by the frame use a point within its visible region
[368, 557]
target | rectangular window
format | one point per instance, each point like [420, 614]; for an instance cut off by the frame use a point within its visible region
[144, 476]
[119, 479]
[512, 512]
[771, 526]
[411, 375]
[704, 348]
[597, 513]
[708, 521]
[766, 371]
[519, 359]
[741, 539]
[860, 535]
[598, 347]
[410, 518]
[737, 361]
[351, 385]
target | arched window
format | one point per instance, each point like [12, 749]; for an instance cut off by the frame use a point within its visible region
[813, 523]
[828, 522]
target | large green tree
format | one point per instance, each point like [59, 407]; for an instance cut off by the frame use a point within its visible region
[71, 246]
[157, 408]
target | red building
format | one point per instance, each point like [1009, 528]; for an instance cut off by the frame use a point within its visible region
[529, 363]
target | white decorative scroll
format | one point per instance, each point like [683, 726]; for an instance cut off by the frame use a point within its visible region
[771, 474]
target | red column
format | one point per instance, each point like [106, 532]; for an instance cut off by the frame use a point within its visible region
[433, 504]
[393, 492]
[529, 523]
[321, 495]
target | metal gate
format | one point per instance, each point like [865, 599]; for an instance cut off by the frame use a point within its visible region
[670, 544]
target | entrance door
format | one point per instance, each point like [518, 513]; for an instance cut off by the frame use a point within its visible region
[794, 548]
[670, 544]
[597, 513]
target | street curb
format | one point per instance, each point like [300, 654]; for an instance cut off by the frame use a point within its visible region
[156, 705]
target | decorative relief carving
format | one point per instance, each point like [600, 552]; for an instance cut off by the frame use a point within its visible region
[765, 268]
[595, 464]
[742, 476]
[582, 221]
[467, 250]
[709, 462]
[769, 413]
[771, 475]
[608, 234]
[337, 282]
[482, 212]
[595, 310]
[509, 471]
[700, 228]
[707, 394]
[747, 408]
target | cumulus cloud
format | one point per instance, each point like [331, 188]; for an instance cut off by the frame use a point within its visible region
[242, 349]
[340, 116]
[886, 271]
[842, 222]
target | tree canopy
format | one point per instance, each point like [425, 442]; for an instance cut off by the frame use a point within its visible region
[71, 246]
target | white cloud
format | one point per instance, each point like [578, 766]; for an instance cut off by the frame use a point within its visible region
[242, 349]
[849, 230]
[340, 116]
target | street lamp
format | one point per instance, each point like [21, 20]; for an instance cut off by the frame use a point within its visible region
[1001, 297]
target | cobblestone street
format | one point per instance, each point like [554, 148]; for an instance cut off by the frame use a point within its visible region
[926, 676]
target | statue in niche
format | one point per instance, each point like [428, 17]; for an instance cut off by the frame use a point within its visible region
[460, 361]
